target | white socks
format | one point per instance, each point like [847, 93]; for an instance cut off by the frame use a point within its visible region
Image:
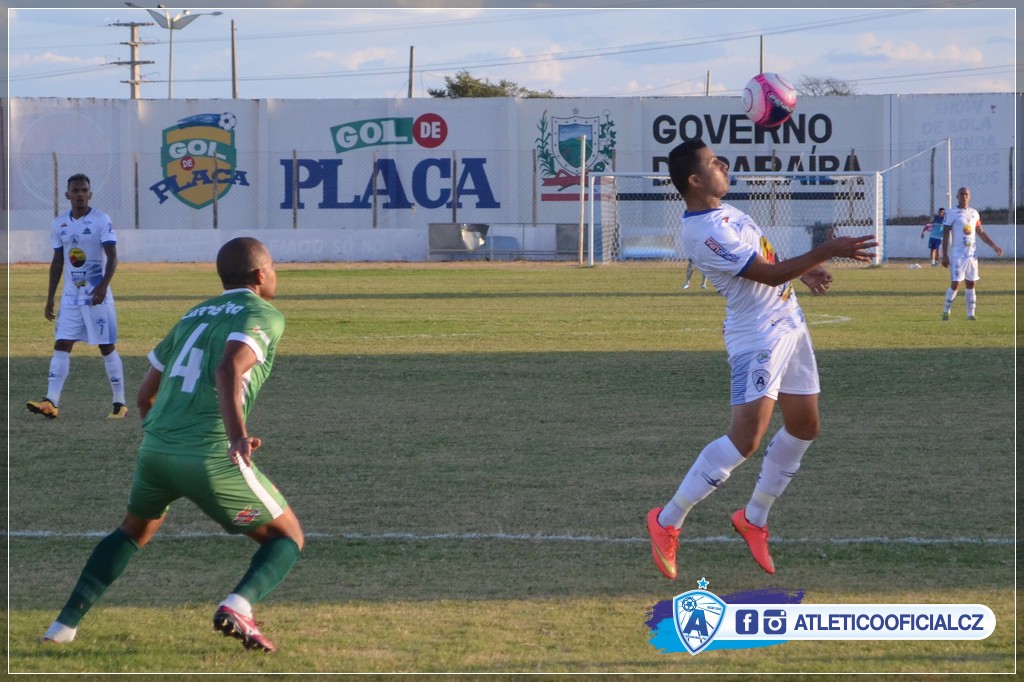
[115, 373]
[60, 633]
[950, 296]
[238, 604]
[781, 462]
[60, 365]
[970, 296]
[713, 466]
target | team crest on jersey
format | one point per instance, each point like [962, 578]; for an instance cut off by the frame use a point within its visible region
[560, 151]
[246, 516]
[767, 250]
[199, 160]
[698, 616]
[76, 257]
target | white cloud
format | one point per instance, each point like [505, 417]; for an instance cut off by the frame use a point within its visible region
[53, 59]
[910, 51]
[350, 60]
[543, 75]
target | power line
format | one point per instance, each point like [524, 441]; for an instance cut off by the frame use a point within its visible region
[568, 55]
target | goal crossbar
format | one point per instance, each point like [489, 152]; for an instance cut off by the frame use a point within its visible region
[638, 215]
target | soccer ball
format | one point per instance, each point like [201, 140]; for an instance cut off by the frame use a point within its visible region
[227, 121]
[769, 99]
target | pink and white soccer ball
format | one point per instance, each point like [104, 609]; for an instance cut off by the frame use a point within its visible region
[769, 99]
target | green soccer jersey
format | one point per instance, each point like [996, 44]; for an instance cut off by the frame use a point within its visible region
[185, 418]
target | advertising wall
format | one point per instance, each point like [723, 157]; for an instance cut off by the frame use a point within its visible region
[335, 168]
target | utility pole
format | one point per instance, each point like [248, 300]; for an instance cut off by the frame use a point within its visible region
[412, 51]
[134, 62]
[234, 63]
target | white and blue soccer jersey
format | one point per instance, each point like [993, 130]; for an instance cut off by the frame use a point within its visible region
[963, 223]
[722, 242]
[84, 260]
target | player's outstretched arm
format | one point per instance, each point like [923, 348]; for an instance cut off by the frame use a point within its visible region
[775, 274]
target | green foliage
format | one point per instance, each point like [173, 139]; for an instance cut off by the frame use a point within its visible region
[420, 416]
[464, 84]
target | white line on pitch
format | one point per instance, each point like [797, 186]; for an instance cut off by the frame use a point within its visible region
[539, 537]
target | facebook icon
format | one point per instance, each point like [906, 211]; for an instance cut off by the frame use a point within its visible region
[746, 622]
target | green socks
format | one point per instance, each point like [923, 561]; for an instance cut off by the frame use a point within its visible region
[270, 565]
[105, 564]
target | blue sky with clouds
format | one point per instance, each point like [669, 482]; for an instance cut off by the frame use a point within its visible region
[629, 50]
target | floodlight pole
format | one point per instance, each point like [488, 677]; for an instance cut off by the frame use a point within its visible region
[165, 20]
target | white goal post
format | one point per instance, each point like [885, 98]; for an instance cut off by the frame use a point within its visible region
[639, 215]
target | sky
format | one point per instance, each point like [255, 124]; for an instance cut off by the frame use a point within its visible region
[621, 50]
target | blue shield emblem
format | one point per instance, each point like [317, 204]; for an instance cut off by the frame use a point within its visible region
[698, 616]
[567, 150]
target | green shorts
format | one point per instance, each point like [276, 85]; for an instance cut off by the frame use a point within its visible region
[238, 497]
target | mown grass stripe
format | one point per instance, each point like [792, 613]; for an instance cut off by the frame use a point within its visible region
[537, 537]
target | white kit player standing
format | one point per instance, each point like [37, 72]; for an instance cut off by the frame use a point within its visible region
[960, 230]
[85, 252]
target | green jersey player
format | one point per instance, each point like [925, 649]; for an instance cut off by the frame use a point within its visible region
[204, 377]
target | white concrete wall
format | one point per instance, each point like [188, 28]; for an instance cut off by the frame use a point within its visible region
[295, 246]
[392, 244]
[904, 241]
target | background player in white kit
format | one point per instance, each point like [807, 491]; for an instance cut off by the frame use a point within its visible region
[85, 251]
[960, 230]
[770, 352]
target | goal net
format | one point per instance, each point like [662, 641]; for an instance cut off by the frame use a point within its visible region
[639, 215]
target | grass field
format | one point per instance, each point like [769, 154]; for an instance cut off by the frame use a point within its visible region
[472, 449]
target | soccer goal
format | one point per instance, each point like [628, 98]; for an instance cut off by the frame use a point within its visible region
[639, 215]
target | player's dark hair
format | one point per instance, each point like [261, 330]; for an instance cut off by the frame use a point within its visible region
[79, 177]
[683, 162]
[239, 259]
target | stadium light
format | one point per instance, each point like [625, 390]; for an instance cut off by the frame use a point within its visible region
[165, 20]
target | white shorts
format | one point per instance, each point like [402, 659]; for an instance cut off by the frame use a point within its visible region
[94, 324]
[964, 268]
[788, 366]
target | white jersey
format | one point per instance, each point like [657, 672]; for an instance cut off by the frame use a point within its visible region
[722, 242]
[963, 235]
[84, 260]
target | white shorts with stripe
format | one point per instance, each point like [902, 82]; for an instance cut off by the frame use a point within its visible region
[94, 324]
[962, 269]
[787, 366]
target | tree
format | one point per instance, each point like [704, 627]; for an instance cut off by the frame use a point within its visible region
[825, 85]
[463, 84]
